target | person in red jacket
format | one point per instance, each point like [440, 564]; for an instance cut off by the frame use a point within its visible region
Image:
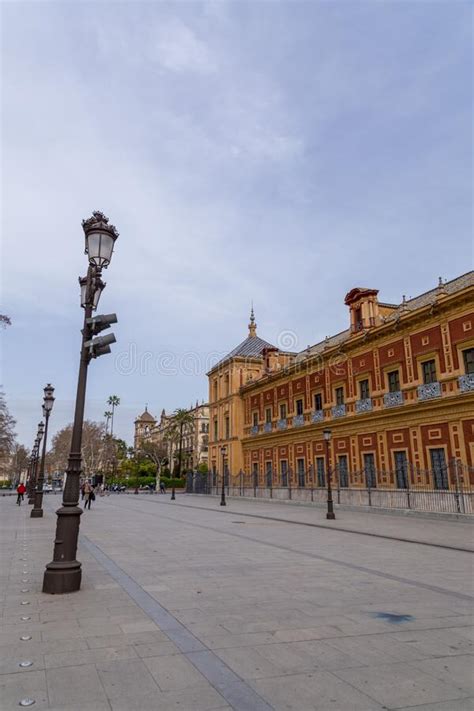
[20, 490]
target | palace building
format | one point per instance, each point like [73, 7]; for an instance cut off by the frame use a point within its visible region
[395, 388]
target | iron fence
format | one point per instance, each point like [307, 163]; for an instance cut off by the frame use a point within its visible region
[450, 490]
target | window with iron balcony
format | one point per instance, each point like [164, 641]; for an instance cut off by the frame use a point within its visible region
[318, 402]
[298, 419]
[364, 404]
[466, 381]
[431, 387]
[394, 397]
[268, 420]
[254, 428]
[318, 414]
[339, 410]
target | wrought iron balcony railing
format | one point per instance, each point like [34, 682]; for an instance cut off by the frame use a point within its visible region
[466, 383]
[298, 420]
[393, 399]
[267, 427]
[364, 405]
[338, 410]
[282, 424]
[254, 430]
[317, 416]
[429, 391]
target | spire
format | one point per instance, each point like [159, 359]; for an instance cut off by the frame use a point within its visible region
[146, 407]
[252, 324]
[441, 287]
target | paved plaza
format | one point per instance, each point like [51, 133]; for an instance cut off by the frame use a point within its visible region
[192, 606]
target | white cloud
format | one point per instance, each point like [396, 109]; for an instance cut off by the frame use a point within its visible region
[177, 48]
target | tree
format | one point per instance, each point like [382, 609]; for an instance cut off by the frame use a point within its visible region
[107, 415]
[7, 439]
[5, 321]
[92, 443]
[156, 452]
[7, 432]
[181, 418]
[114, 402]
[19, 460]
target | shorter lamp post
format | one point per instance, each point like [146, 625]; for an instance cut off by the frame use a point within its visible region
[330, 514]
[48, 401]
[34, 466]
[31, 465]
[223, 452]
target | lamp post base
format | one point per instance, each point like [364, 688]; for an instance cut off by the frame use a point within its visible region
[331, 515]
[223, 503]
[173, 495]
[62, 578]
[36, 513]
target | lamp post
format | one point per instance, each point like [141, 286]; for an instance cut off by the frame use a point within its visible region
[30, 472]
[330, 514]
[180, 451]
[48, 401]
[63, 574]
[34, 464]
[223, 452]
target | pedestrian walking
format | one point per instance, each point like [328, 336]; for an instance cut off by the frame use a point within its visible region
[162, 487]
[82, 491]
[20, 490]
[89, 495]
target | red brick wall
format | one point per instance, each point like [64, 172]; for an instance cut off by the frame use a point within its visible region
[434, 344]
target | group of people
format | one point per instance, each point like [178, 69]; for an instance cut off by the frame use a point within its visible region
[87, 492]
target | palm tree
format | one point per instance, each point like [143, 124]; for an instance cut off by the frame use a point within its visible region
[107, 414]
[105, 452]
[114, 402]
[180, 419]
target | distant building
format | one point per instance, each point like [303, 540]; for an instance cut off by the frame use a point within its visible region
[144, 424]
[195, 435]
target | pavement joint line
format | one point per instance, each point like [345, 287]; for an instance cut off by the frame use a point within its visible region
[226, 682]
[315, 556]
[325, 527]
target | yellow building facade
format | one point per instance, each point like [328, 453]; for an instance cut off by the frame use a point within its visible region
[243, 365]
[395, 388]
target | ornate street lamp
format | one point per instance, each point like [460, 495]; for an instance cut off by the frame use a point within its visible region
[48, 401]
[330, 514]
[34, 464]
[223, 452]
[31, 466]
[63, 574]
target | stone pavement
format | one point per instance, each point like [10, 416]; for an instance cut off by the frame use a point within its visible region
[187, 605]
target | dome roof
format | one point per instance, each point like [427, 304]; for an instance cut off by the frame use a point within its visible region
[146, 417]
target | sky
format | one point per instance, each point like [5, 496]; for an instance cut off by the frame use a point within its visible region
[280, 152]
